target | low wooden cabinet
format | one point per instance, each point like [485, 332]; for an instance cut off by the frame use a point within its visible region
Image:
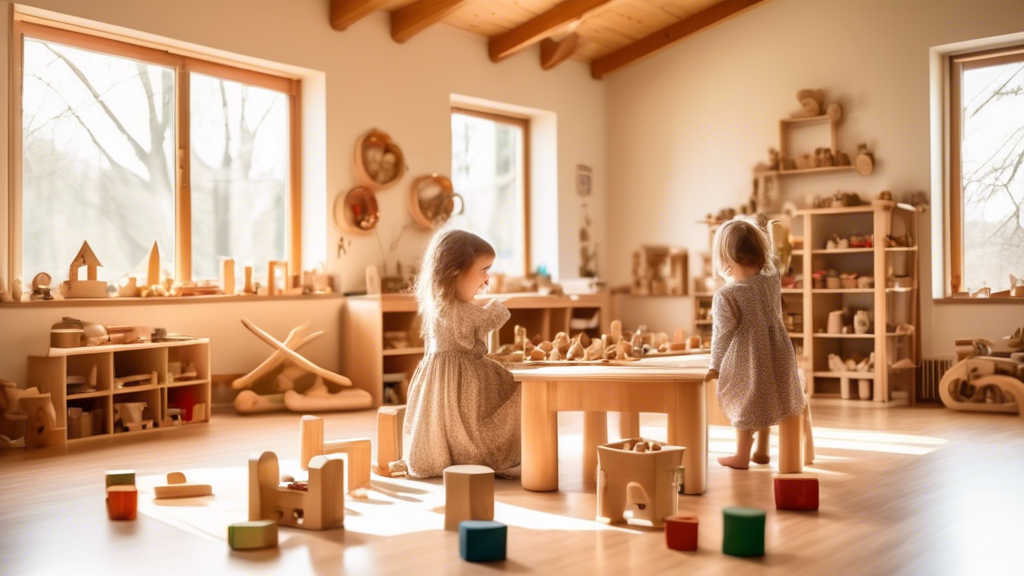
[51, 374]
[369, 351]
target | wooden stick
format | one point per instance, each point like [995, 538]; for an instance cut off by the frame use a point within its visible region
[298, 359]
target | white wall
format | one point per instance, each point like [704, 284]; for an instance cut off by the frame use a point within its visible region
[367, 81]
[686, 126]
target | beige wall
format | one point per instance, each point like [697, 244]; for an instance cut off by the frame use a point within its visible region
[361, 79]
[686, 126]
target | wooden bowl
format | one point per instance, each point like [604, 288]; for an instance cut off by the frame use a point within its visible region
[357, 211]
[379, 162]
[432, 201]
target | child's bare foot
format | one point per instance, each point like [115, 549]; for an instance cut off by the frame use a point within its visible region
[736, 461]
[760, 458]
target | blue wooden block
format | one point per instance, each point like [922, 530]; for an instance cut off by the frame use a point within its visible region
[482, 540]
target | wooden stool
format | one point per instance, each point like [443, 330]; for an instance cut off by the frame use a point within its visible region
[482, 540]
[791, 459]
[796, 492]
[681, 531]
[468, 494]
[252, 535]
[122, 502]
[743, 534]
[390, 421]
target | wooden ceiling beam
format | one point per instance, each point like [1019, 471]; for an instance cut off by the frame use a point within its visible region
[418, 16]
[554, 52]
[345, 13]
[669, 35]
[539, 27]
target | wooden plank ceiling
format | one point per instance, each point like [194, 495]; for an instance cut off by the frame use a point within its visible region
[609, 34]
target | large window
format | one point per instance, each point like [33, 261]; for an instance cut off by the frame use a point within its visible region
[987, 168]
[490, 173]
[123, 145]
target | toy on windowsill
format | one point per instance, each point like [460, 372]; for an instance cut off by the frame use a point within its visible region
[41, 287]
[90, 287]
[279, 377]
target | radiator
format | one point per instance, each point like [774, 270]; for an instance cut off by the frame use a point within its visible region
[929, 374]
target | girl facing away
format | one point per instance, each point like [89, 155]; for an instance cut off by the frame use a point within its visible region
[462, 408]
[751, 353]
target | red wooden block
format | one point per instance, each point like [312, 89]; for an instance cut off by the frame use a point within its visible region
[681, 531]
[796, 492]
[122, 502]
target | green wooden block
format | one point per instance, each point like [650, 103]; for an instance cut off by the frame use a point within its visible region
[120, 478]
[252, 535]
[743, 534]
[482, 540]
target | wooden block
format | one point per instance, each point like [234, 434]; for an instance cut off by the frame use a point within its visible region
[227, 275]
[176, 478]
[681, 531]
[469, 494]
[311, 439]
[122, 502]
[320, 507]
[791, 458]
[120, 478]
[183, 490]
[796, 492]
[482, 540]
[743, 534]
[356, 452]
[199, 412]
[252, 535]
[390, 420]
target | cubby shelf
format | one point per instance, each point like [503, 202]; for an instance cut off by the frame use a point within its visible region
[843, 251]
[850, 375]
[50, 374]
[843, 290]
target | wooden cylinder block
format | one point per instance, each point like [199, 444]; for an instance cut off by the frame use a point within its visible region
[469, 494]
[743, 533]
[681, 531]
[311, 436]
[122, 502]
[796, 492]
[791, 458]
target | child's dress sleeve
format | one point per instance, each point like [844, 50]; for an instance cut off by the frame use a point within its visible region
[495, 316]
[725, 319]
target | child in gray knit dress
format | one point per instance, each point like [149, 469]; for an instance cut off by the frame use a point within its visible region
[751, 353]
[462, 407]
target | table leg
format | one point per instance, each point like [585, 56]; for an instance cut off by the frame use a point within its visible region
[539, 438]
[595, 433]
[629, 425]
[688, 426]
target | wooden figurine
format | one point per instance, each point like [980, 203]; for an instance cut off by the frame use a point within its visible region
[227, 275]
[178, 487]
[253, 535]
[390, 421]
[812, 103]
[865, 161]
[41, 287]
[641, 481]
[320, 507]
[469, 494]
[248, 288]
[41, 429]
[153, 270]
[272, 268]
[90, 287]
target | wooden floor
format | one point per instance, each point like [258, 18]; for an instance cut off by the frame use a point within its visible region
[903, 491]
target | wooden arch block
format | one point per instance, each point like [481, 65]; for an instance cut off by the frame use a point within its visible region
[468, 494]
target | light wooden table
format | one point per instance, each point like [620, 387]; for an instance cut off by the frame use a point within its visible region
[670, 385]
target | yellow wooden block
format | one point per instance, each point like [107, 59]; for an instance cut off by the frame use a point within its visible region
[252, 535]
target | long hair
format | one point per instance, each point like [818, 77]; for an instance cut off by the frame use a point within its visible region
[450, 252]
[744, 241]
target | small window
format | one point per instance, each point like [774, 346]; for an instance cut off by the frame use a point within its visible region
[987, 168]
[490, 172]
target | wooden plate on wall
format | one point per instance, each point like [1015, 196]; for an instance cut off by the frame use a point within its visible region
[432, 201]
[379, 162]
[357, 210]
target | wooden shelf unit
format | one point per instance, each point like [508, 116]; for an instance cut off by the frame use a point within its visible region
[889, 387]
[50, 374]
[365, 319]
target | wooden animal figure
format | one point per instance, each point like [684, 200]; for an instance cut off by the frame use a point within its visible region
[812, 103]
[642, 482]
[320, 507]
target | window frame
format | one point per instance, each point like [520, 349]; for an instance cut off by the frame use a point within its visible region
[958, 63]
[182, 65]
[524, 124]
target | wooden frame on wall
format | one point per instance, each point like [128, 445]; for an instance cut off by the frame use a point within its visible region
[183, 65]
[524, 124]
[954, 232]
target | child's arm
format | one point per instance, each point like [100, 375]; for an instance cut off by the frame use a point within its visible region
[725, 320]
[495, 315]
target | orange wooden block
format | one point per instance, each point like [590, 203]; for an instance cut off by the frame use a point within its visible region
[796, 492]
[122, 502]
[681, 531]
